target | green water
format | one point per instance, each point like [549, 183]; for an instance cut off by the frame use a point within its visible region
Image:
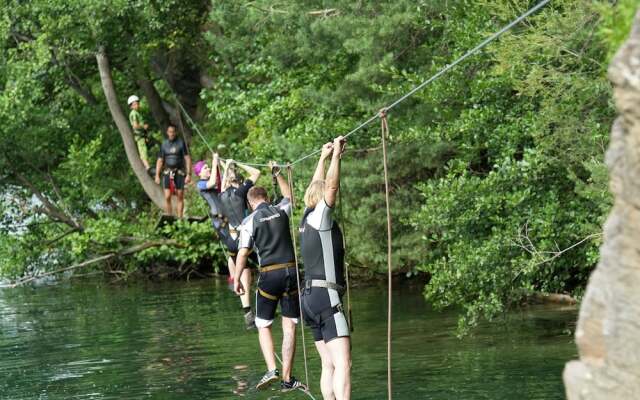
[187, 341]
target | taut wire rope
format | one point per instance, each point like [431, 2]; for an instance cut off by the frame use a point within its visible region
[384, 135]
[295, 254]
[410, 93]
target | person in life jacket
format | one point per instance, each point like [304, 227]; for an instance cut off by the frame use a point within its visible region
[267, 231]
[140, 130]
[174, 163]
[322, 251]
[209, 185]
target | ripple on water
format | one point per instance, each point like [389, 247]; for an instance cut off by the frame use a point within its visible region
[187, 341]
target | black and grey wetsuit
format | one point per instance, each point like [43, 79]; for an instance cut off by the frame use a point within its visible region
[218, 220]
[323, 256]
[172, 153]
[234, 201]
[266, 230]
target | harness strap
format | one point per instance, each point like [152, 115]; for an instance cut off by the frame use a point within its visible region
[321, 283]
[173, 171]
[267, 295]
[330, 312]
[275, 267]
[275, 298]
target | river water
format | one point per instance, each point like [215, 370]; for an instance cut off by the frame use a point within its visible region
[182, 340]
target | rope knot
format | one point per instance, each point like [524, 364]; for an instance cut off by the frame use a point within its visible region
[383, 113]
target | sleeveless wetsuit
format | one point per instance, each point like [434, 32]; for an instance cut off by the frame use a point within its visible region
[323, 256]
[172, 153]
[218, 221]
[266, 230]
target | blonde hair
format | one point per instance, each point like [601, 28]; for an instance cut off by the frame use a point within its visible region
[314, 193]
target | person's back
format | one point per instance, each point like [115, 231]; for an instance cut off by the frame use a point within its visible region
[267, 231]
[270, 229]
[234, 203]
[321, 245]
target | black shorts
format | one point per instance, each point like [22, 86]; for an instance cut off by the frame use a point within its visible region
[327, 322]
[273, 287]
[178, 180]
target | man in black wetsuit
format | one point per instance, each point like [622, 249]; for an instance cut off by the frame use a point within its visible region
[323, 255]
[224, 221]
[174, 163]
[266, 230]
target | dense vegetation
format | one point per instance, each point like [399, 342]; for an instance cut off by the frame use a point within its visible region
[498, 183]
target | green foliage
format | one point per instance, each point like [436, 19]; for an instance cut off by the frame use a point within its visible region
[497, 176]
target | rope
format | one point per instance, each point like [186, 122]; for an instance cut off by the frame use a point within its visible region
[444, 70]
[295, 253]
[385, 133]
[366, 123]
[346, 264]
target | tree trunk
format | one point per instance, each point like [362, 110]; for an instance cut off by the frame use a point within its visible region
[151, 189]
[155, 102]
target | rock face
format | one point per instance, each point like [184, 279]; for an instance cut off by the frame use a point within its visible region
[608, 332]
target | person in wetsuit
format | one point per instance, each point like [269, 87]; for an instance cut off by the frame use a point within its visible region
[174, 163]
[322, 252]
[208, 186]
[266, 230]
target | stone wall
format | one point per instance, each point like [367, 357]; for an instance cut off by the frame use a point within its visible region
[608, 331]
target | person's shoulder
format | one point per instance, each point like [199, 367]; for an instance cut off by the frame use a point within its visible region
[202, 184]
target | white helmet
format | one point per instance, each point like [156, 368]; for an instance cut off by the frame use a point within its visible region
[132, 99]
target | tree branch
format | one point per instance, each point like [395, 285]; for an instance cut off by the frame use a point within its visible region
[48, 207]
[102, 258]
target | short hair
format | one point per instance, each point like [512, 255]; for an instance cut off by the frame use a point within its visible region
[314, 193]
[257, 193]
[171, 125]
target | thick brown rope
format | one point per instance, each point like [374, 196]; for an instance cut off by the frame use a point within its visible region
[344, 247]
[295, 253]
[385, 134]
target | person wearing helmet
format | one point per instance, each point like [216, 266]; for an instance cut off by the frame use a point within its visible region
[140, 129]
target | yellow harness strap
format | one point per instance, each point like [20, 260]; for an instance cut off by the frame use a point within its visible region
[275, 267]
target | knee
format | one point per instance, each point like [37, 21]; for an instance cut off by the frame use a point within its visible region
[289, 325]
[263, 323]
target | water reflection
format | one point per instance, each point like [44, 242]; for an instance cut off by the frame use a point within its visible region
[187, 341]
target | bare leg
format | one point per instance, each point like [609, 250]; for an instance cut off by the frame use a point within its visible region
[246, 283]
[326, 378]
[180, 205]
[232, 268]
[167, 202]
[266, 345]
[341, 357]
[288, 346]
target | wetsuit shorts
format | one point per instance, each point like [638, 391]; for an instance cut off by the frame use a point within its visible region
[275, 287]
[326, 322]
[178, 180]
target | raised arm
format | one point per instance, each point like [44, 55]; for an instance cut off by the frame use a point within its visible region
[332, 183]
[254, 173]
[225, 175]
[318, 175]
[285, 190]
[214, 172]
